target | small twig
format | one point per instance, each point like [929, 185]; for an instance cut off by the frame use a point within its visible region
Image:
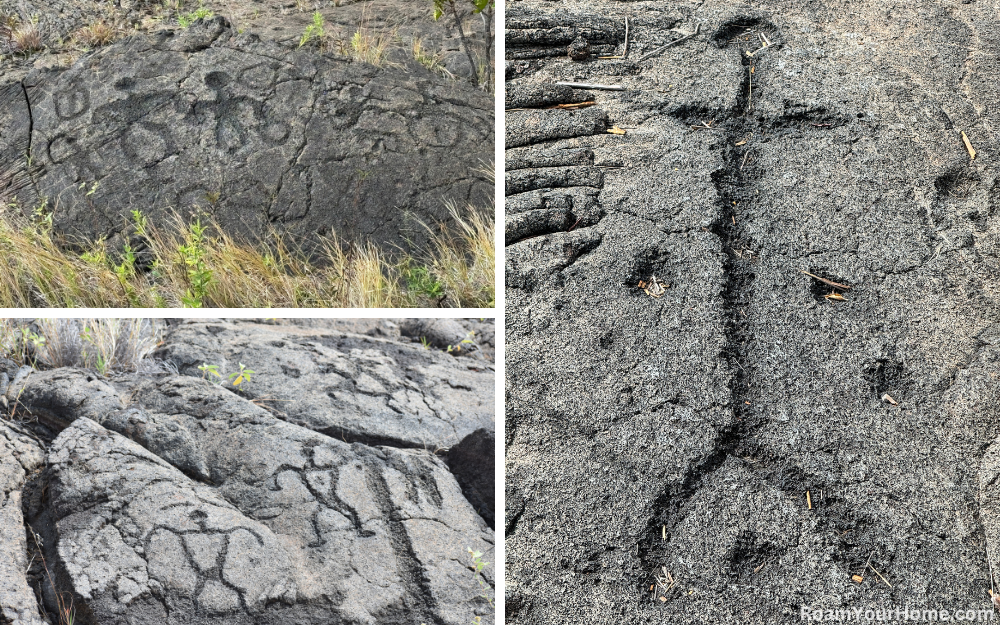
[565, 106]
[760, 567]
[825, 281]
[624, 50]
[968, 146]
[880, 576]
[574, 225]
[989, 561]
[584, 85]
[574, 105]
[672, 43]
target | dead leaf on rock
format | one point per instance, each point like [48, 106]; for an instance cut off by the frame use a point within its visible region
[654, 288]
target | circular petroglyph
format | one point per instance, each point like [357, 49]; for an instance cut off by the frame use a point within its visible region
[217, 80]
[72, 103]
[275, 132]
[63, 148]
[145, 144]
[258, 77]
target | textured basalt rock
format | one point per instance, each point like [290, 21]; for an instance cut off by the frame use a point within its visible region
[732, 432]
[351, 387]
[166, 496]
[206, 121]
[19, 454]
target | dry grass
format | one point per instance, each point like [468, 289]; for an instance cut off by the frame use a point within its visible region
[104, 345]
[466, 278]
[22, 37]
[430, 60]
[95, 35]
[199, 265]
[368, 45]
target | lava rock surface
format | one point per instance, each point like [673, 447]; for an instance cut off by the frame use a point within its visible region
[205, 121]
[165, 497]
[734, 444]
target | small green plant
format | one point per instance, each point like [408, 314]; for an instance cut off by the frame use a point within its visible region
[42, 217]
[125, 271]
[314, 30]
[139, 221]
[425, 342]
[20, 343]
[207, 369]
[485, 9]
[480, 564]
[198, 274]
[87, 336]
[466, 341]
[419, 280]
[186, 19]
[241, 376]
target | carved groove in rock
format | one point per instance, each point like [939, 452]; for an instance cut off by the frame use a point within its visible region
[682, 433]
[167, 496]
[204, 120]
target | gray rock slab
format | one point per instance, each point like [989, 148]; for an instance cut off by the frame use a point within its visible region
[733, 431]
[458, 337]
[19, 455]
[349, 386]
[287, 526]
[58, 396]
[399, 22]
[258, 136]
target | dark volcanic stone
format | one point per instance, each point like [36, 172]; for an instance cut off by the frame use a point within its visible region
[579, 50]
[681, 434]
[472, 462]
[349, 386]
[204, 120]
[18, 455]
[180, 496]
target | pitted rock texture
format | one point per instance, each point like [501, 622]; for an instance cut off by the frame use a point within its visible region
[191, 502]
[458, 337]
[734, 432]
[348, 386]
[19, 454]
[256, 135]
[400, 21]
